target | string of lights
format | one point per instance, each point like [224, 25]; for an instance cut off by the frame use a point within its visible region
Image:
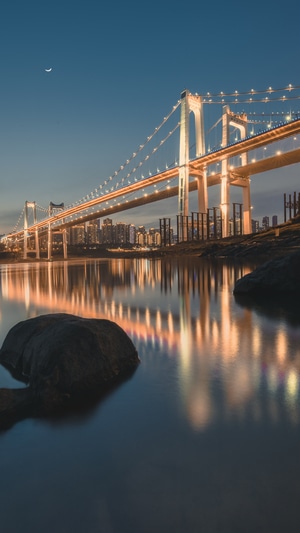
[21, 216]
[252, 96]
[133, 156]
[269, 117]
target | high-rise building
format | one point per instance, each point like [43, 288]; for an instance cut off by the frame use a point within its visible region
[255, 226]
[92, 232]
[107, 231]
[274, 220]
[120, 233]
[77, 234]
[265, 222]
[130, 233]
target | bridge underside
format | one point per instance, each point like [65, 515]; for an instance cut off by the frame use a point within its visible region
[238, 177]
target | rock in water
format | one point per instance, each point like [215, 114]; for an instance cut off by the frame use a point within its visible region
[62, 356]
[274, 278]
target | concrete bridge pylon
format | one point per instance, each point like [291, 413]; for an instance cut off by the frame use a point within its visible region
[30, 205]
[241, 123]
[52, 209]
[190, 103]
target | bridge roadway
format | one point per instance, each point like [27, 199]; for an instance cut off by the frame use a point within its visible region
[196, 169]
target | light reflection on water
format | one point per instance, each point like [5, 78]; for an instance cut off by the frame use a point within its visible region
[185, 309]
[207, 364]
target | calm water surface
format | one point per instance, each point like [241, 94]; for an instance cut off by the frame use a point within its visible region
[204, 437]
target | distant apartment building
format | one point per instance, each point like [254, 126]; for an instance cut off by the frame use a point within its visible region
[265, 223]
[274, 220]
[77, 234]
[130, 233]
[255, 226]
[153, 237]
[120, 233]
[106, 233]
[92, 232]
[141, 236]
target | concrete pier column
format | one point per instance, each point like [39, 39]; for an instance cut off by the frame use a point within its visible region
[37, 244]
[247, 223]
[183, 186]
[202, 192]
[189, 102]
[225, 193]
[49, 242]
[65, 245]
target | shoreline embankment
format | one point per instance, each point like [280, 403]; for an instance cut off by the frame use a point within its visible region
[274, 242]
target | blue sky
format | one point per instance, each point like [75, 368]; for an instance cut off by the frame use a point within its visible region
[118, 68]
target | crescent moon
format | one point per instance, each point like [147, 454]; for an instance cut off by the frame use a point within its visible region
[48, 69]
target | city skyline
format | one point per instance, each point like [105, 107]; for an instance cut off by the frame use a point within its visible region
[84, 85]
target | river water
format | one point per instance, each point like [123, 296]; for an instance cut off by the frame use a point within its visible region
[204, 437]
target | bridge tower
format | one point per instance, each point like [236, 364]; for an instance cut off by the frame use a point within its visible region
[30, 205]
[52, 209]
[190, 103]
[240, 122]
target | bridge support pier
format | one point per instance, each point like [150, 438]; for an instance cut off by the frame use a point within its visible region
[189, 102]
[240, 122]
[30, 205]
[56, 207]
[202, 192]
[247, 208]
[49, 255]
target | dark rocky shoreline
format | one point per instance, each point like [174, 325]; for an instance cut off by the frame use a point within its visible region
[275, 242]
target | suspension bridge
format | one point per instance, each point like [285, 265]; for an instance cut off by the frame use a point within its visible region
[256, 131]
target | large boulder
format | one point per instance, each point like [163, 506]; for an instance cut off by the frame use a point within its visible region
[62, 357]
[277, 277]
